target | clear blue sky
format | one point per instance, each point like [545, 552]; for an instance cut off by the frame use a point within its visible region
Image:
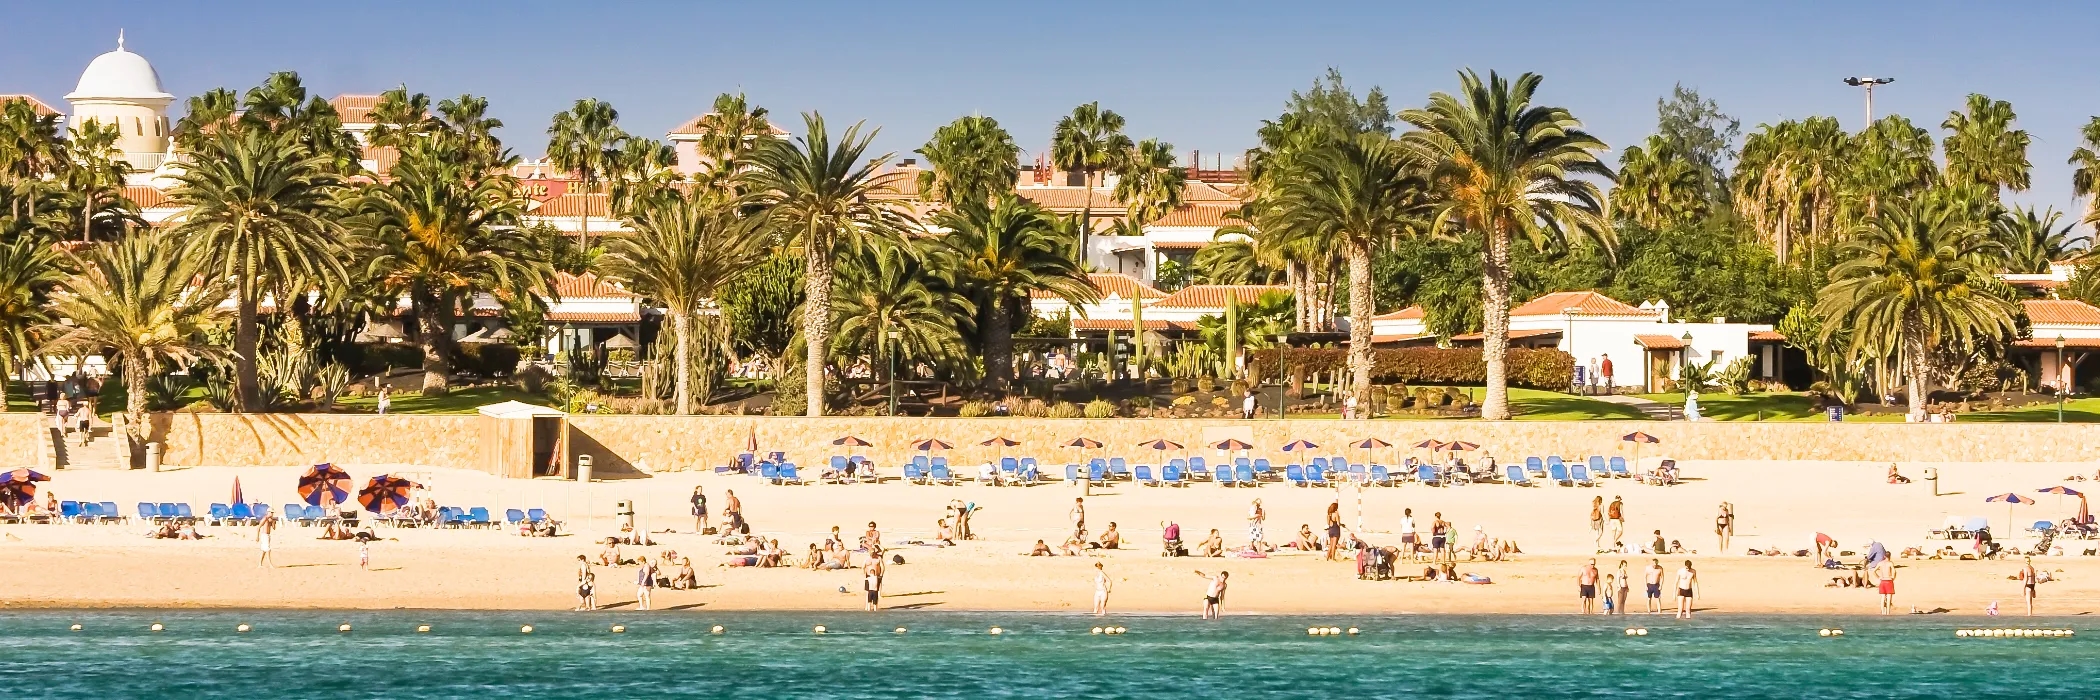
[1200, 75]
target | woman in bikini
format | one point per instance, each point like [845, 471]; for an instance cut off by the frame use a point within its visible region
[1334, 530]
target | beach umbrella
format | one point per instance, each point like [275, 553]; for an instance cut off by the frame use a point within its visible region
[851, 441]
[1300, 445]
[1160, 444]
[324, 485]
[1001, 441]
[501, 335]
[620, 342]
[2061, 492]
[385, 493]
[1638, 439]
[1431, 444]
[1084, 443]
[18, 487]
[1368, 444]
[236, 499]
[931, 444]
[1230, 444]
[1459, 446]
[2009, 499]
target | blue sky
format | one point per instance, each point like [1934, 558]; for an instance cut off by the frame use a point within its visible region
[1200, 75]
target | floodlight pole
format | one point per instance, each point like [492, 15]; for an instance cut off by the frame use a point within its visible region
[1868, 84]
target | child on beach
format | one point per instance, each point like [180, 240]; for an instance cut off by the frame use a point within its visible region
[1610, 583]
[364, 555]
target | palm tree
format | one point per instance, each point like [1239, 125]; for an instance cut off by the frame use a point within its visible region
[439, 233]
[1148, 182]
[1088, 141]
[586, 139]
[259, 208]
[684, 249]
[1004, 251]
[1504, 166]
[825, 195]
[1658, 187]
[29, 268]
[647, 167]
[893, 289]
[30, 149]
[95, 170]
[2032, 241]
[970, 159]
[1890, 159]
[2085, 178]
[1983, 148]
[150, 300]
[1912, 281]
[727, 134]
[1364, 193]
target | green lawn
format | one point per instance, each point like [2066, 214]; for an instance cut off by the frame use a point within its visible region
[1528, 404]
[1762, 406]
[461, 401]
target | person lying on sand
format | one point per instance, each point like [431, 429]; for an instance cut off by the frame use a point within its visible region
[1896, 477]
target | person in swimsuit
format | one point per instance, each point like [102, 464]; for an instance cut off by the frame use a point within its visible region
[1101, 587]
[1654, 578]
[1334, 531]
[872, 580]
[1618, 593]
[1724, 525]
[1407, 533]
[644, 583]
[262, 539]
[586, 597]
[2027, 584]
[1439, 533]
[733, 513]
[1214, 595]
[1885, 572]
[1687, 588]
[699, 511]
[1597, 521]
[1586, 587]
[1256, 541]
[1078, 515]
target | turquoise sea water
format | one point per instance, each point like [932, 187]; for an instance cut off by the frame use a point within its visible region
[672, 654]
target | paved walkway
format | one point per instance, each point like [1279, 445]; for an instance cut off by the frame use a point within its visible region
[1655, 410]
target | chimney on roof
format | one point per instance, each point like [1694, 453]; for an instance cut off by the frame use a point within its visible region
[908, 163]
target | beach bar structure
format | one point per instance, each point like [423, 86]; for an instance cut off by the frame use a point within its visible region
[521, 441]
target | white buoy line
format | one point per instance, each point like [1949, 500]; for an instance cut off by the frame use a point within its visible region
[2007, 632]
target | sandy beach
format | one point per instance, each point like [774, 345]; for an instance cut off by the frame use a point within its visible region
[1778, 504]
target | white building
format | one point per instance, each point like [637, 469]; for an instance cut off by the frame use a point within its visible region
[121, 89]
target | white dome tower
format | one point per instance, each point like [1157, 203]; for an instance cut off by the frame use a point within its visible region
[120, 88]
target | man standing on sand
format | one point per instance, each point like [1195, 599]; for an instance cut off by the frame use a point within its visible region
[1586, 587]
[2027, 583]
[1597, 522]
[1214, 595]
[733, 514]
[644, 583]
[1101, 587]
[871, 579]
[1885, 573]
[1687, 590]
[1654, 578]
[1604, 368]
[1615, 518]
[262, 539]
[1407, 533]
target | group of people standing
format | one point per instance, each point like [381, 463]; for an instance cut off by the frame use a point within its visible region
[1614, 588]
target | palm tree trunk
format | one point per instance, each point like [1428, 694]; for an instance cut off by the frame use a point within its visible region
[134, 398]
[681, 323]
[816, 316]
[437, 368]
[1086, 218]
[1494, 340]
[1297, 279]
[999, 343]
[87, 215]
[1360, 311]
[583, 234]
[1914, 365]
[247, 387]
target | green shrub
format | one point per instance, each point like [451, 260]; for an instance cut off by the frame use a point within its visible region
[790, 397]
[1537, 369]
[377, 358]
[486, 359]
[974, 409]
[1066, 409]
[532, 380]
[1100, 409]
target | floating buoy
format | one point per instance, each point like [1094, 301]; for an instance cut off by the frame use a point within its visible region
[716, 630]
[527, 629]
[819, 629]
[76, 628]
[900, 630]
[1120, 630]
[1642, 632]
[1837, 633]
[996, 630]
[1096, 630]
[243, 627]
[156, 627]
[1629, 631]
[1352, 631]
[1825, 632]
[345, 627]
[1961, 633]
[619, 628]
[1312, 631]
[422, 628]
[1334, 630]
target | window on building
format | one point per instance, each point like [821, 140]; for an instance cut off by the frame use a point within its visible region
[138, 126]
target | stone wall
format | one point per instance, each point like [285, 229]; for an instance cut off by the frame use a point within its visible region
[627, 444]
[24, 440]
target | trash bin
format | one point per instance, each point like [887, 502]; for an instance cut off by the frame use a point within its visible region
[583, 468]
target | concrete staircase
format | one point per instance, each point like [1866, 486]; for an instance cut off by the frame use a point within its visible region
[104, 451]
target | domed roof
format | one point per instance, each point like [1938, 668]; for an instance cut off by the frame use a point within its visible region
[119, 75]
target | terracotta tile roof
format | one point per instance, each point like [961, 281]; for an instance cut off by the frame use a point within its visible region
[1401, 338]
[1180, 245]
[1659, 342]
[1072, 198]
[1409, 313]
[146, 196]
[1199, 215]
[1198, 192]
[2061, 312]
[383, 159]
[571, 204]
[1767, 336]
[1213, 296]
[1123, 324]
[1582, 302]
[588, 285]
[42, 108]
[691, 127]
[1121, 285]
[355, 109]
[593, 317]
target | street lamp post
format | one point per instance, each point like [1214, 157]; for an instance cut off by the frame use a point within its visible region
[892, 334]
[2063, 385]
[1869, 83]
[1283, 368]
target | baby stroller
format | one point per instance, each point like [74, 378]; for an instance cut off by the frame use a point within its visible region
[1375, 563]
[1170, 542]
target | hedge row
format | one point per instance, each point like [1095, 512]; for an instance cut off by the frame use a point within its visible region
[1537, 369]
